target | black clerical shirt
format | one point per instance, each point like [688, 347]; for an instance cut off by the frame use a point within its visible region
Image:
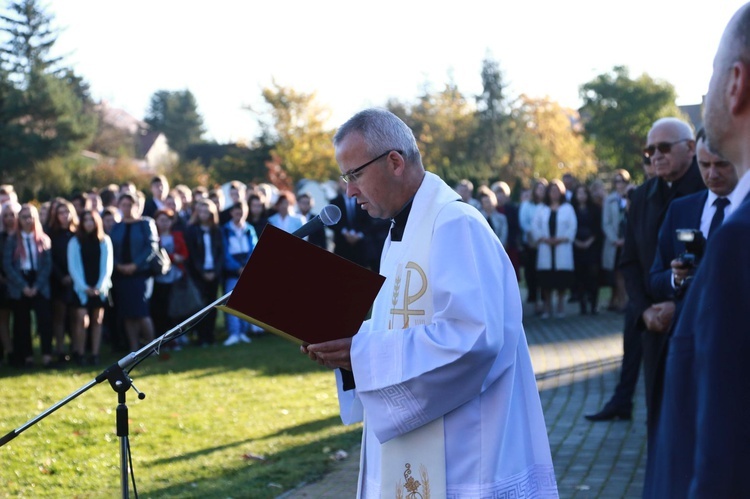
[398, 223]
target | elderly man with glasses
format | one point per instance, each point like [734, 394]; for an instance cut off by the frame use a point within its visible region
[670, 147]
[441, 372]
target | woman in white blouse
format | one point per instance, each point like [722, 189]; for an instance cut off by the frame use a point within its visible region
[554, 229]
[526, 213]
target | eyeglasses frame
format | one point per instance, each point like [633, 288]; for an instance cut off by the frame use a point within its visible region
[351, 175]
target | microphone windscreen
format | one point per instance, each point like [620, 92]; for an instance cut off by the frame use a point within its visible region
[330, 215]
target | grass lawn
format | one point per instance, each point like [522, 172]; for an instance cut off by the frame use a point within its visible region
[242, 421]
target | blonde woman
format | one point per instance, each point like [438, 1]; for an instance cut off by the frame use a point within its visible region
[27, 262]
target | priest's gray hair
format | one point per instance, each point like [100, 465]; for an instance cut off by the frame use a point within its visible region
[382, 131]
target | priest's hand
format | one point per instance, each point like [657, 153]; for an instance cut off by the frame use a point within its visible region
[333, 354]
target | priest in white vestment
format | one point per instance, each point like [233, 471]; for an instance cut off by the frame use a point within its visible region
[441, 372]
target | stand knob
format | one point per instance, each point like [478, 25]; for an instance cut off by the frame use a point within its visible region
[141, 395]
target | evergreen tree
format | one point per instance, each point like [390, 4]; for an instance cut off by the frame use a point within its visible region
[45, 110]
[494, 140]
[175, 114]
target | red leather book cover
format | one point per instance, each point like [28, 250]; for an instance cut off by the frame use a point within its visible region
[301, 291]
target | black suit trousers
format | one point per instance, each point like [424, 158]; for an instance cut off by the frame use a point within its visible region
[631, 361]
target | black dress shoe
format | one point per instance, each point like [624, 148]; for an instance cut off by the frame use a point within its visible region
[609, 413]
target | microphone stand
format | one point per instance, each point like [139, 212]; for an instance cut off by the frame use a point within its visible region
[120, 381]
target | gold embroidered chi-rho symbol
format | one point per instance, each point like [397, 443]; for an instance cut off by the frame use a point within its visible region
[406, 312]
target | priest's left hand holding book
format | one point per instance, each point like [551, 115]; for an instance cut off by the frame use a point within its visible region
[333, 354]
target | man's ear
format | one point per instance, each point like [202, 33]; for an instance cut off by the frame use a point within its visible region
[739, 87]
[396, 163]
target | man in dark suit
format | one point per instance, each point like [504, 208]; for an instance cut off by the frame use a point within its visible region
[159, 191]
[349, 235]
[305, 204]
[671, 148]
[704, 212]
[702, 440]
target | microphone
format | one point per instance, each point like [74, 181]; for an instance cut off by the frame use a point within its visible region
[330, 215]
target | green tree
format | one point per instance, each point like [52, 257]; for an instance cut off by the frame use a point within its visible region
[443, 123]
[550, 145]
[495, 138]
[618, 112]
[45, 110]
[175, 114]
[31, 38]
[296, 124]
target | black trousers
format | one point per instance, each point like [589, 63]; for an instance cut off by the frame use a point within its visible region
[587, 283]
[631, 361]
[530, 273]
[159, 304]
[22, 309]
[207, 326]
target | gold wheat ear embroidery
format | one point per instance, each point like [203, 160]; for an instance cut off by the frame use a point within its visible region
[396, 290]
[425, 481]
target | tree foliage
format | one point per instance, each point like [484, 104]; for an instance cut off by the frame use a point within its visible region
[31, 37]
[45, 110]
[499, 139]
[618, 112]
[228, 162]
[551, 145]
[175, 114]
[495, 137]
[443, 124]
[297, 126]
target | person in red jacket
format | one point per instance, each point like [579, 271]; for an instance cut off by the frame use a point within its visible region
[174, 243]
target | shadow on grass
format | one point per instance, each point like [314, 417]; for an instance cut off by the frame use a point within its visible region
[268, 478]
[312, 427]
[192, 455]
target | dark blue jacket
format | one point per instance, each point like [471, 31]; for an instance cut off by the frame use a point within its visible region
[703, 437]
[14, 275]
[197, 250]
[144, 240]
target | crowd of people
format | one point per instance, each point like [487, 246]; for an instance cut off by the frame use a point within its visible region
[84, 266]
[88, 268]
[566, 237]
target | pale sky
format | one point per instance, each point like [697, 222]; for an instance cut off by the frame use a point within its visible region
[356, 54]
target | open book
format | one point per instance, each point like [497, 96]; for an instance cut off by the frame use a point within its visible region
[302, 292]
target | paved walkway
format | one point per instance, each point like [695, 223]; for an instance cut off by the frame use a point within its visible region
[576, 360]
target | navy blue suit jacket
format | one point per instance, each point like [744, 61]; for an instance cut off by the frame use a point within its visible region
[703, 438]
[683, 213]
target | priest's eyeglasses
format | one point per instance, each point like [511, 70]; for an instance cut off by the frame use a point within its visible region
[351, 175]
[662, 147]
